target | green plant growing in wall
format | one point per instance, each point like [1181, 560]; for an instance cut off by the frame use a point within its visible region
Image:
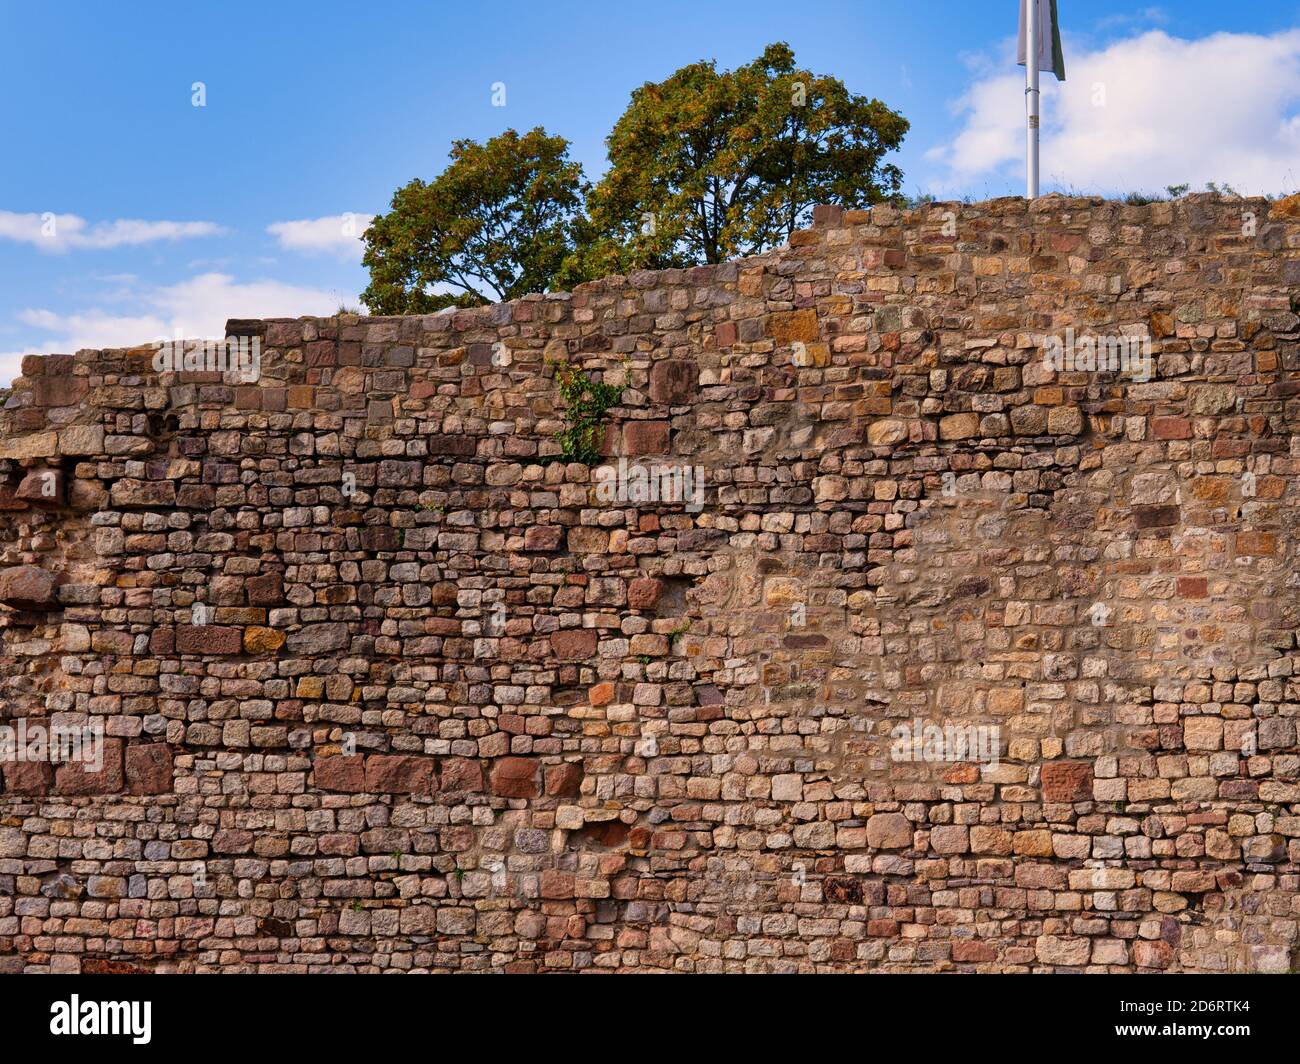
[586, 403]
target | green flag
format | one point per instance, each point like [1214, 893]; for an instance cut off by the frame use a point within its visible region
[1050, 56]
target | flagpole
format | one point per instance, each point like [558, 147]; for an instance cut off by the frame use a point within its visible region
[1031, 99]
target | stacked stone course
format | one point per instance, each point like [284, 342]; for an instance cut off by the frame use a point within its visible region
[469, 718]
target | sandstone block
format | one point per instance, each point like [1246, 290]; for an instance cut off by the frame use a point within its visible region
[27, 587]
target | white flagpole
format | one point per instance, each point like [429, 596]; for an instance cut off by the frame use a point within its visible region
[1031, 99]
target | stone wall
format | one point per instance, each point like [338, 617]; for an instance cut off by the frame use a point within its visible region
[447, 707]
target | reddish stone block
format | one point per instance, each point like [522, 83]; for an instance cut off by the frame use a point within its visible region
[27, 777]
[149, 768]
[1156, 516]
[162, 641]
[112, 641]
[399, 774]
[346, 774]
[556, 884]
[1256, 543]
[725, 334]
[514, 777]
[248, 397]
[29, 419]
[564, 781]
[646, 437]
[338, 845]
[673, 381]
[462, 774]
[1171, 428]
[379, 537]
[301, 396]
[208, 639]
[91, 966]
[395, 474]
[1153, 954]
[1067, 781]
[611, 438]
[82, 778]
[643, 593]
[284, 334]
[543, 537]
[44, 487]
[971, 952]
[265, 590]
[196, 497]
[459, 445]
[9, 498]
[321, 353]
[230, 840]
[1193, 586]
[574, 644]
[147, 494]
[58, 391]
[27, 587]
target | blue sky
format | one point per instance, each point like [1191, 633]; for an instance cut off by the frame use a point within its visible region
[169, 216]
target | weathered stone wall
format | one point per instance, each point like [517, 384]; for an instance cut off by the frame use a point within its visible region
[614, 736]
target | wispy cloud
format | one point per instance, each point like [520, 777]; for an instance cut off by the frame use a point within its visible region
[334, 234]
[1152, 15]
[1142, 113]
[58, 233]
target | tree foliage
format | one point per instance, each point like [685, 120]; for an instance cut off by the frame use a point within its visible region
[498, 221]
[706, 166]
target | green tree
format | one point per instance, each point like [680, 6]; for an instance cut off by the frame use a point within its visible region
[706, 166]
[498, 222]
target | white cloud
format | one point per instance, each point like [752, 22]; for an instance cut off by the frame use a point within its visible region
[1225, 108]
[201, 305]
[193, 309]
[11, 365]
[335, 234]
[95, 328]
[61, 232]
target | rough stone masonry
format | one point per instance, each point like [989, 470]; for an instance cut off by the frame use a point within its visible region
[438, 709]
